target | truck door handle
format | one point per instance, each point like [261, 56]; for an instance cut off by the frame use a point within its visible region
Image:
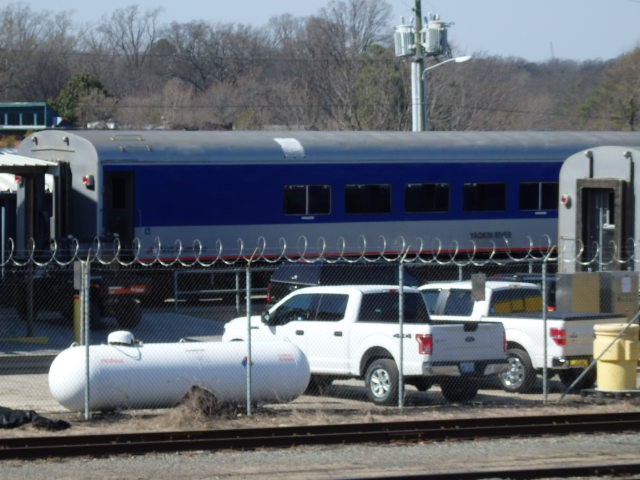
[299, 332]
[337, 334]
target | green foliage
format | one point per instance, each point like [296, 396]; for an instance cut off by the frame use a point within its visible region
[615, 103]
[249, 119]
[380, 96]
[83, 85]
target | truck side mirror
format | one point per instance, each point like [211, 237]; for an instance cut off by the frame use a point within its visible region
[266, 317]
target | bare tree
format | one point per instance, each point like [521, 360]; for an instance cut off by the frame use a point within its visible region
[129, 34]
[34, 49]
[494, 93]
[206, 54]
[332, 70]
[475, 96]
[286, 71]
[335, 41]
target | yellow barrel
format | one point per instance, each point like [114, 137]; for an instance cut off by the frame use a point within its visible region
[617, 355]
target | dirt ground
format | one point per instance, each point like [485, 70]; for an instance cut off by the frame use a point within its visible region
[341, 404]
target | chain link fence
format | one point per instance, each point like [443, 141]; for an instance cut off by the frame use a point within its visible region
[151, 330]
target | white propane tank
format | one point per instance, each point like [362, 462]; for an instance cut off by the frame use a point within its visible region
[128, 374]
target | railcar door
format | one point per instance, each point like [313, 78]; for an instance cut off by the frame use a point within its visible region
[604, 221]
[119, 206]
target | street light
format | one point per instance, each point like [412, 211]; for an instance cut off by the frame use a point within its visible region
[463, 59]
[424, 104]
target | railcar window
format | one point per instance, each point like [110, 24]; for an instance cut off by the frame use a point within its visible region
[307, 199]
[549, 195]
[368, 198]
[426, 197]
[539, 196]
[479, 197]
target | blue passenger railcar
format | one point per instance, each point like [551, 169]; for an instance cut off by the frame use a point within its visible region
[337, 191]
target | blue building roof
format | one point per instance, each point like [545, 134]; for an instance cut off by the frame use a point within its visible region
[21, 116]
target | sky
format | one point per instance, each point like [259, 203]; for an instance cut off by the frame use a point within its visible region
[535, 30]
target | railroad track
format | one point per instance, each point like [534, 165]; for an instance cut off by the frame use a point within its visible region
[283, 437]
[596, 471]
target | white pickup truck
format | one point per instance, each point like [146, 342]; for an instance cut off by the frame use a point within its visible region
[354, 331]
[518, 306]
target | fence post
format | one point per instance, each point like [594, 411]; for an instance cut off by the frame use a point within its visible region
[545, 382]
[401, 325]
[248, 308]
[236, 296]
[84, 303]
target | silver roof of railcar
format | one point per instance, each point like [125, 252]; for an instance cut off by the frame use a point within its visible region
[158, 146]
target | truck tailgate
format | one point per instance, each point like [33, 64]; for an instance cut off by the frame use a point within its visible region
[580, 333]
[471, 341]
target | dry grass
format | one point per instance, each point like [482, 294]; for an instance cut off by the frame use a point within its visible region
[201, 410]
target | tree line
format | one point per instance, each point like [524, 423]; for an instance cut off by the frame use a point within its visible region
[335, 70]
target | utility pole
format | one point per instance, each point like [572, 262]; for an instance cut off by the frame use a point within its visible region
[417, 85]
[419, 41]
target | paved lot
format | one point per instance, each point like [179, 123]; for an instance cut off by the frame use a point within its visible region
[24, 364]
[51, 334]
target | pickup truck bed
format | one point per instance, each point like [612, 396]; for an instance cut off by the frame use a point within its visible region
[518, 307]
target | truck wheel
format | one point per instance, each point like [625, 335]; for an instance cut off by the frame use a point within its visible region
[128, 313]
[520, 377]
[459, 389]
[567, 377]
[381, 381]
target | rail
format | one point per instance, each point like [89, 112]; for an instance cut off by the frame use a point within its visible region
[459, 429]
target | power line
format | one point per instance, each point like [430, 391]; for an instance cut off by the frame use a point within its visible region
[341, 105]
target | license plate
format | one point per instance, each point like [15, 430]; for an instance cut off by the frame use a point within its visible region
[467, 367]
[581, 362]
